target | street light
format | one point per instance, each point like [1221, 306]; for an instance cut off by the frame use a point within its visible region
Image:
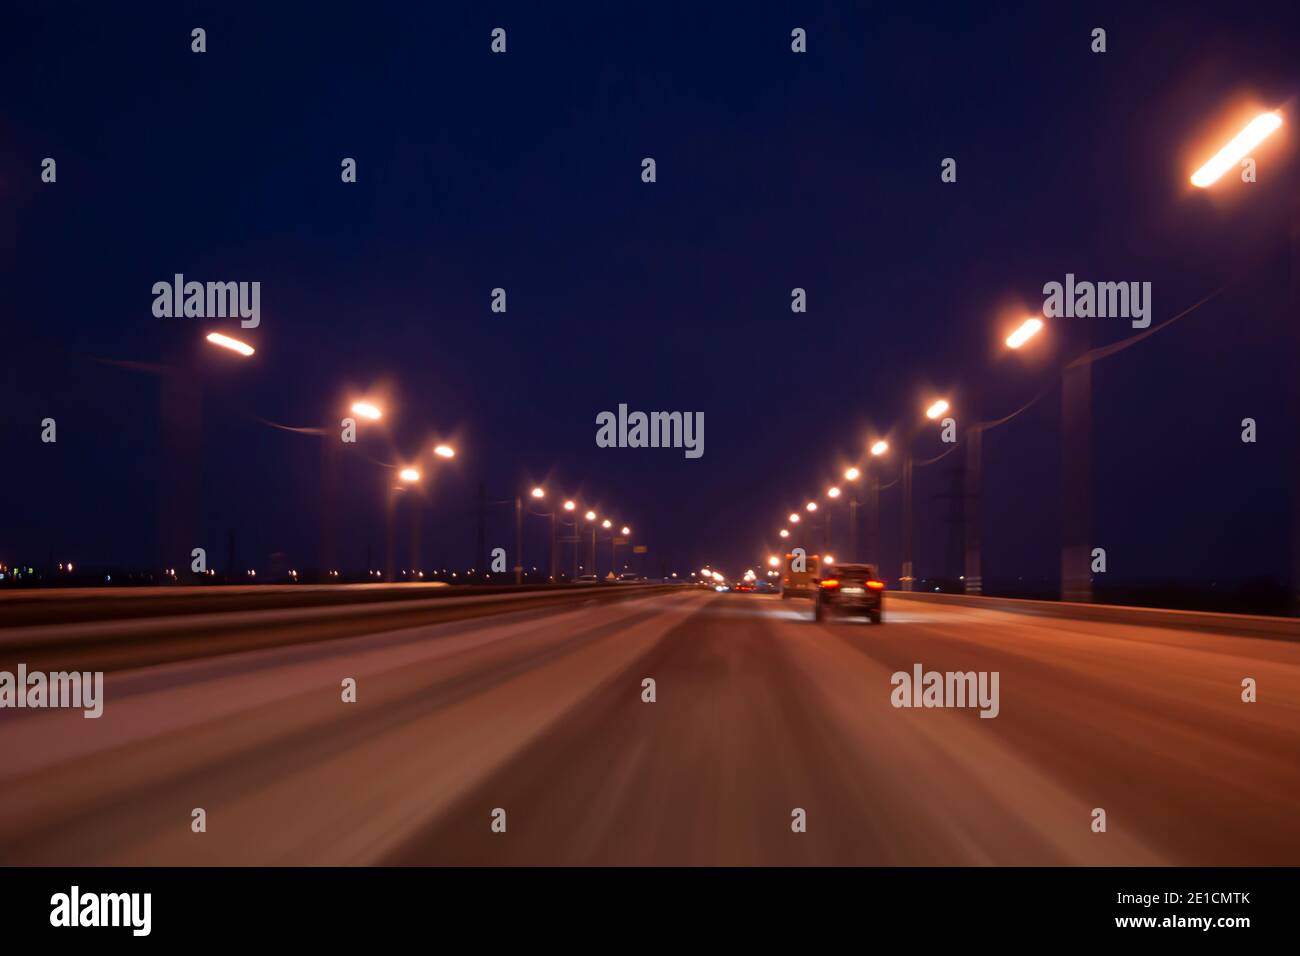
[1256, 131]
[784, 533]
[794, 517]
[606, 524]
[879, 448]
[626, 530]
[773, 561]
[538, 492]
[570, 505]
[367, 410]
[852, 474]
[226, 342]
[1027, 330]
[590, 516]
[811, 506]
[444, 451]
[409, 475]
[832, 492]
[937, 409]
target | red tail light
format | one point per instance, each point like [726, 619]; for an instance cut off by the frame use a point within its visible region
[876, 585]
[831, 583]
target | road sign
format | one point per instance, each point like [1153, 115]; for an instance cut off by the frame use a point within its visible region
[639, 549]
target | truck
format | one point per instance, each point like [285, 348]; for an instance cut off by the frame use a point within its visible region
[801, 583]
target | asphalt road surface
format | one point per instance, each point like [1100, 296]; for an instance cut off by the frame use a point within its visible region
[758, 712]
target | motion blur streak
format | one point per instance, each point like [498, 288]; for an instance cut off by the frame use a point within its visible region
[758, 711]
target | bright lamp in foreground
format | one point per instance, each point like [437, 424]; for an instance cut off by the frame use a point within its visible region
[1256, 131]
[1028, 329]
[226, 342]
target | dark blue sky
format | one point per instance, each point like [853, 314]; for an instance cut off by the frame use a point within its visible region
[775, 170]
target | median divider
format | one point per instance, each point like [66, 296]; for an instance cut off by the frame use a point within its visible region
[145, 640]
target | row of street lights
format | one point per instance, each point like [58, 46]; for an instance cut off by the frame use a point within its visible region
[538, 493]
[1075, 581]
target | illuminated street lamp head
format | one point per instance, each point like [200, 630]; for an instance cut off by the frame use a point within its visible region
[408, 475]
[1238, 148]
[773, 561]
[1027, 330]
[832, 492]
[937, 409]
[590, 516]
[444, 451]
[811, 506]
[794, 517]
[626, 530]
[852, 474]
[226, 342]
[879, 448]
[606, 523]
[828, 559]
[538, 492]
[367, 410]
[784, 533]
[570, 505]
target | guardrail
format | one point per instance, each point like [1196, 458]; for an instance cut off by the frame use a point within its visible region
[1241, 625]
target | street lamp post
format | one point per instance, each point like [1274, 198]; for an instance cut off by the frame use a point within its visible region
[906, 580]
[591, 516]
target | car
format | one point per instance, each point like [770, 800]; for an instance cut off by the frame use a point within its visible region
[800, 583]
[586, 579]
[850, 589]
[627, 577]
[742, 586]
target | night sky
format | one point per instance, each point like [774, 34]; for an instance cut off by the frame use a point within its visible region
[523, 171]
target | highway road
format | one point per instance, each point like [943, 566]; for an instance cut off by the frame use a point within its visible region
[758, 712]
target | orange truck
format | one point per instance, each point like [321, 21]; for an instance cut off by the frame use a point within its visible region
[801, 583]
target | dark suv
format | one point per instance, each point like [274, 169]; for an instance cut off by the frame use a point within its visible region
[850, 589]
